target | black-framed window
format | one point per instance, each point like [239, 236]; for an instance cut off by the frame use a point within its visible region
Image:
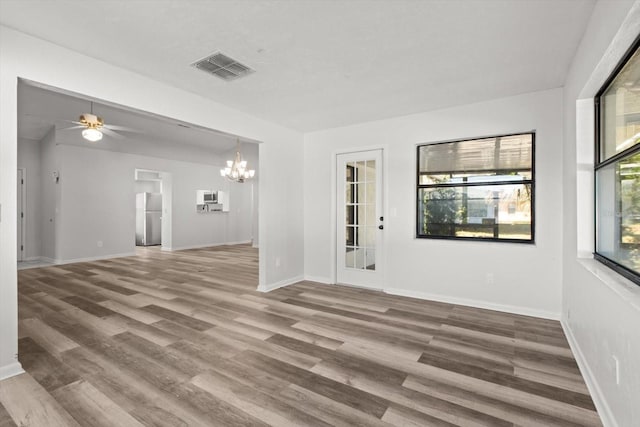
[478, 189]
[617, 168]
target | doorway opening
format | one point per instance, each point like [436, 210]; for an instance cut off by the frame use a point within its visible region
[153, 208]
[139, 152]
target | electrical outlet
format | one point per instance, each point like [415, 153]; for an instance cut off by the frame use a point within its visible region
[99, 243]
[616, 364]
[277, 261]
[490, 278]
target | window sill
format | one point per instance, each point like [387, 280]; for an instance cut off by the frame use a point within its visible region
[622, 286]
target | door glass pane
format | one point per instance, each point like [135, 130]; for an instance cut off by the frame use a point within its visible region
[360, 215]
[370, 214]
[349, 257]
[350, 215]
[350, 172]
[371, 171]
[360, 192]
[370, 260]
[360, 259]
[361, 171]
[369, 237]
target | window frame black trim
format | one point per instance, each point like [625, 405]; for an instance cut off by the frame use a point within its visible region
[598, 164]
[531, 181]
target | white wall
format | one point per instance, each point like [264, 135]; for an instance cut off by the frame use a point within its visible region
[601, 311]
[526, 278]
[98, 203]
[147, 187]
[29, 159]
[281, 210]
[51, 197]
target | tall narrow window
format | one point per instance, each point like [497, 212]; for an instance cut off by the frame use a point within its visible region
[479, 189]
[617, 168]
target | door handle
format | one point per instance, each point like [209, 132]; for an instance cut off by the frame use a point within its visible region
[381, 227]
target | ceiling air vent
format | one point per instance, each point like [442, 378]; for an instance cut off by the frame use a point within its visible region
[222, 66]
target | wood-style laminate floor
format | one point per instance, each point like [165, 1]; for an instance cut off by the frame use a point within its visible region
[183, 338]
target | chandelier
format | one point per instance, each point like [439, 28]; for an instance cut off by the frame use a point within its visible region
[236, 169]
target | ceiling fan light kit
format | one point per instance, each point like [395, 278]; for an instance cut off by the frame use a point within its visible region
[92, 134]
[93, 124]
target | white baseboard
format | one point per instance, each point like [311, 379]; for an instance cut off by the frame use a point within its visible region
[280, 284]
[604, 411]
[207, 245]
[32, 258]
[93, 258]
[47, 259]
[11, 370]
[319, 279]
[525, 311]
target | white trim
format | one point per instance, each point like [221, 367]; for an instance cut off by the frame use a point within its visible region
[207, 245]
[11, 370]
[514, 309]
[23, 210]
[628, 291]
[47, 259]
[319, 279]
[604, 411]
[280, 284]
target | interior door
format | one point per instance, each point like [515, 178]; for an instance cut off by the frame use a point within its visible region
[20, 215]
[360, 221]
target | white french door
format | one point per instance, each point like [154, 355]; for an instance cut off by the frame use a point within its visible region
[360, 221]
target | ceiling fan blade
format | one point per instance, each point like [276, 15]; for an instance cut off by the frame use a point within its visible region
[73, 127]
[111, 133]
[120, 128]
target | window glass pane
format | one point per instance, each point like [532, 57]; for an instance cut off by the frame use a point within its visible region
[618, 212]
[620, 111]
[485, 211]
[503, 155]
[460, 178]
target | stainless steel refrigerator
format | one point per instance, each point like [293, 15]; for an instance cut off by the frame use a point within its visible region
[148, 219]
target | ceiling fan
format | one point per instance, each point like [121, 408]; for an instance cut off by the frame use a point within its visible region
[93, 127]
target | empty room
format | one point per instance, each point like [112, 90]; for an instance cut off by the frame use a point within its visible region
[291, 213]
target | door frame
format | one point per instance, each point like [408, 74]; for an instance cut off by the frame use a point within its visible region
[333, 253]
[23, 228]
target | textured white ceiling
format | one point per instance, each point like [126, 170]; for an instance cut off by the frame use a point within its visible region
[322, 64]
[40, 109]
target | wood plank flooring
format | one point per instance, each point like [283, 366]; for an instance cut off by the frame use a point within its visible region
[183, 338]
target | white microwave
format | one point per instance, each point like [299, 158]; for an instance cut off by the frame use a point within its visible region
[211, 197]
